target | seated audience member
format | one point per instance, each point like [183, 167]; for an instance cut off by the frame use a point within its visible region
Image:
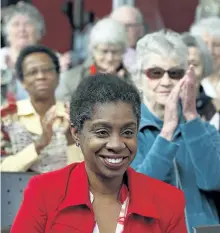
[102, 194]
[23, 25]
[200, 57]
[174, 144]
[133, 21]
[107, 43]
[207, 9]
[38, 127]
[209, 30]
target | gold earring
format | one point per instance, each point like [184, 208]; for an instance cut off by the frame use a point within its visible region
[77, 144]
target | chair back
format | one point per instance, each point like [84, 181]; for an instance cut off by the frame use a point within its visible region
[12, 186]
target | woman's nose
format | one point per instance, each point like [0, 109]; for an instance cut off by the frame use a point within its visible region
[115, 143]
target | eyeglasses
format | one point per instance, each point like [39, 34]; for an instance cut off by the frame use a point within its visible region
[157, 73]
[44, 70]
[132, 25]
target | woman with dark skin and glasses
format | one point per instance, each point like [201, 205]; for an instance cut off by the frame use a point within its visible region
[174, 144]
[102, 194]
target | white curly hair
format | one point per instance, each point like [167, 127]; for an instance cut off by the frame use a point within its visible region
[108, 31]
[22, 8]
[209, 25]
[168, 44]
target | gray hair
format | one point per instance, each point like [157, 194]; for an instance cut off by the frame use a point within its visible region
[28, 10]
[209, 25]
[135, 10]
[139, 16]
[206, 57]
[164, 43]
[108, 31]
[207, 9]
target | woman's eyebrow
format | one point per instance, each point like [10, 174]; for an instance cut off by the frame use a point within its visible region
[108, 125]
[101, 124]
[129, 124]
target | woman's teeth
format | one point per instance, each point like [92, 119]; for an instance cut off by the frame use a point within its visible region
[111, 160]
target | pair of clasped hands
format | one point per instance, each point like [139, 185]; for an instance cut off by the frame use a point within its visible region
[186, 92]
[54, 118]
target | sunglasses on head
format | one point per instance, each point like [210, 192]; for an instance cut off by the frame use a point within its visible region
[157, 72]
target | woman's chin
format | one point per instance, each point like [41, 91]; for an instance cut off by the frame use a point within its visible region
[161, 100]
[22, 43]
[107, 69]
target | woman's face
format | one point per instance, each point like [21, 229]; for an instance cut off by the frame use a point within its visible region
[213, 43]
[108, 57]
[40, 77]
[109, 140]
[159, 75]
[194, 58]
[21, 32]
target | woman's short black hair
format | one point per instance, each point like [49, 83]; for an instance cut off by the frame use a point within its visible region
[100, 89]
[35, 49]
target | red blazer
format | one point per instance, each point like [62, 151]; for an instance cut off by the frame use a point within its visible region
[58, 202]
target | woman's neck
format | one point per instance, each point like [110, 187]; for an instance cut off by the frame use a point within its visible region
[42, 106]
[104, 187]
[14, 52]
[155, 108]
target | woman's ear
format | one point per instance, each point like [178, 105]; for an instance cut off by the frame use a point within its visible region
[23, 85]
[75, 134]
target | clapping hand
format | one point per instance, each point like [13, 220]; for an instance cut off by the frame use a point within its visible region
[50, 122]
[188, 95]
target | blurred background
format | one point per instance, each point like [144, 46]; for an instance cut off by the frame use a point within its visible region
[156, 13]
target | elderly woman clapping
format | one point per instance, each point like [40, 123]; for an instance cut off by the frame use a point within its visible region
[23, 25]
[108, 42]
[187, 149]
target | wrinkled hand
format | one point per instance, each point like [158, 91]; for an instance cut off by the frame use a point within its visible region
[65, 61]
[218, 90]
[120, 73]
[188, 95]
[47, 128]
[49, 123]
[171, 118]
[68, 132]
[67, 108]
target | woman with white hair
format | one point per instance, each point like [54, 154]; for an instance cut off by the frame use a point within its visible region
[187, 149]
[23, 25]
[209, 30]
[107, 43]
[200, 57]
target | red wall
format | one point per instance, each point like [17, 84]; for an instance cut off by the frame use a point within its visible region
[58, 31]
[58, 34]
[149, 8]
[176, 14]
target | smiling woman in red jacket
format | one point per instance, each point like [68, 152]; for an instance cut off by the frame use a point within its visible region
[102, 194]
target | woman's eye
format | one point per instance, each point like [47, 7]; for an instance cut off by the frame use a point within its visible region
[128, 133]
[101, 133]
[194, 64]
